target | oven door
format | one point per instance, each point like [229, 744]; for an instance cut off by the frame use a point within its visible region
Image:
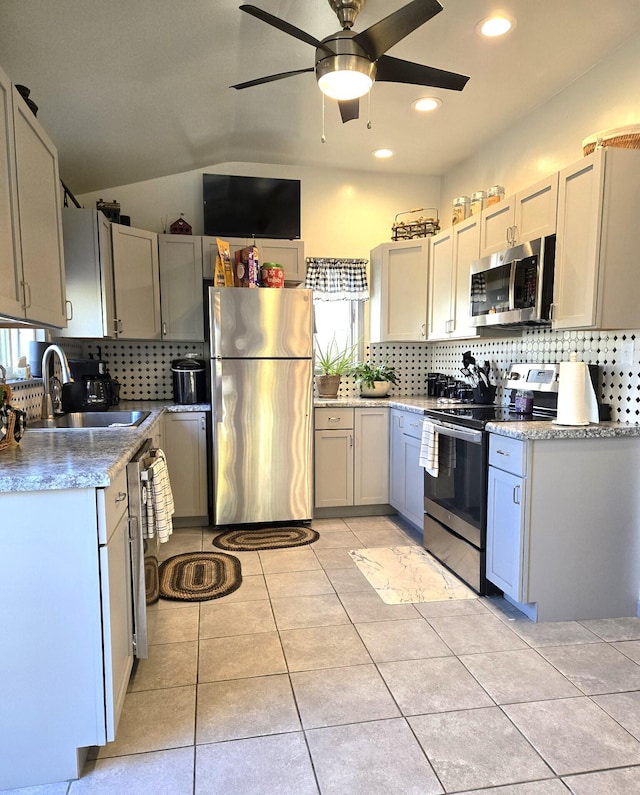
[457, 496]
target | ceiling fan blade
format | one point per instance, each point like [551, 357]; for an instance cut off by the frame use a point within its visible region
[349, 109]
[381, 36]
[271, 78]
[285, 27]
[394, 70]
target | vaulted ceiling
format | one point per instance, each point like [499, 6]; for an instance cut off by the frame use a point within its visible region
[135, 90]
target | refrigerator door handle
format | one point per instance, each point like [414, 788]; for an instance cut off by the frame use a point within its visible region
[217, 389]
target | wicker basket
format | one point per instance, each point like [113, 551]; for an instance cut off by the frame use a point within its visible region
[621, 137]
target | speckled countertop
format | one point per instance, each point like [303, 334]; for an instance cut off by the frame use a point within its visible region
[72, 459]
[517, 430]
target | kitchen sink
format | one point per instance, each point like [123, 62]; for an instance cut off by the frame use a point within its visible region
[90, 420]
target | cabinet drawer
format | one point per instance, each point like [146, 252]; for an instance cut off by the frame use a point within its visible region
[507, 454]
[412, 424]
[333, 419]
[112, 503]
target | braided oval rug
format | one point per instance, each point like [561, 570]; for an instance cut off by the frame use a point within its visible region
[254, 538]
[198, 576]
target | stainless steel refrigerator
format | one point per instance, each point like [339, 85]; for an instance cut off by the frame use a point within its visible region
[261, 348]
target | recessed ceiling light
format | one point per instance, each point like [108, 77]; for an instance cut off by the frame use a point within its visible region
[496, 25]
[426, 103]
[382, 153]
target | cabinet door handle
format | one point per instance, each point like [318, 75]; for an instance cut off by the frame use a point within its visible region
[121, 496]
[516, 494]
[164, 329]
[552, 311]
[203, 423]
[333, 419]
[69, 306]
[503, 452]
[350, 440]
[26, 290]
[423, 330]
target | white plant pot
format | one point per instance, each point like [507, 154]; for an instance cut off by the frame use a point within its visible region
[379, 389]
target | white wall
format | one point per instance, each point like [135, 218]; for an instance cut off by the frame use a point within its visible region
[551, 136]
[344, 213]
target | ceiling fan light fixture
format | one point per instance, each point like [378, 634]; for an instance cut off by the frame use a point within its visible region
[425, 104]
[344, 77]
[496, 25]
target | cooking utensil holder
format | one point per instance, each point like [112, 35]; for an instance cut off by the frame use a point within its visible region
[484, 394]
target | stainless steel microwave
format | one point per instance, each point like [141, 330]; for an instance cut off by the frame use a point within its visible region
[514, 286]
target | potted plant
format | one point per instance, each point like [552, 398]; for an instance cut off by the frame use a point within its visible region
[331, 364]
[374, 380]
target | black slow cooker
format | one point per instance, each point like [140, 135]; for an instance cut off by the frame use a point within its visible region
[189, 381]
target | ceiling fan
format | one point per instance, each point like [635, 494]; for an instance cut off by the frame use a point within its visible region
[347, 63]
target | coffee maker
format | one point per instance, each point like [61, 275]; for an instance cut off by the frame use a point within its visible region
[93, 388]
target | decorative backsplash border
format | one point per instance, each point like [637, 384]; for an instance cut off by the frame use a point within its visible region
[144, 368]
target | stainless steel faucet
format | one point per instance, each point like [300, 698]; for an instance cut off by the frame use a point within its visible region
[47, 407]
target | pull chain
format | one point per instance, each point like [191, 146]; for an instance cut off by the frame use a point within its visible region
[323, 138]
[369, 110]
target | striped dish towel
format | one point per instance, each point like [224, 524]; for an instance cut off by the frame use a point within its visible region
[160, 506]
[429, 448]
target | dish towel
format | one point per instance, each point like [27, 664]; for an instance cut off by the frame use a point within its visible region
[160, 507]
[429, 449]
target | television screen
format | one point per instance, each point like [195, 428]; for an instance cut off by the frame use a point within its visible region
[251, 206]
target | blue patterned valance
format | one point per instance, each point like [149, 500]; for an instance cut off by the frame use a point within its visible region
[337, 279]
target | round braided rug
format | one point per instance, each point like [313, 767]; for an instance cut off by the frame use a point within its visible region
[197, 576]
[256, 538]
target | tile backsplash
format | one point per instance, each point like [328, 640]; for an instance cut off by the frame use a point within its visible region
[144, 368]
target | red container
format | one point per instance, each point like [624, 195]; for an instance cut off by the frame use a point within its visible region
[272, 275]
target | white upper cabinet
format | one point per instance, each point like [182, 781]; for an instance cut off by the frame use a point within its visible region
[31, 256]
[398, 303]
[596, 250]
[10, 254]
[88, 260]
[137, 282]
[527, 215]
[180, 259]
[287, 253]
[452, 253]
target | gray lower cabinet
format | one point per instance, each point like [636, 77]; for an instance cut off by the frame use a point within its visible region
[406, 482]
[563, 534]
[66, 624]
[185, 445]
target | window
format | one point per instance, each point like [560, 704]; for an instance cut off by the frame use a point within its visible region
[14, 343]
[339, 320]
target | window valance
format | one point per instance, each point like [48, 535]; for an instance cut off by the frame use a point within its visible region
[337, 279]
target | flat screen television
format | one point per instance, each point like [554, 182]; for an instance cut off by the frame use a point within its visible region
[251, 206]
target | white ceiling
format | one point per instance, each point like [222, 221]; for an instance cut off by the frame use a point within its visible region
[135, 90]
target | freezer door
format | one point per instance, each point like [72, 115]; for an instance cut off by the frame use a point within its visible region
[261, 440]
[260, 323]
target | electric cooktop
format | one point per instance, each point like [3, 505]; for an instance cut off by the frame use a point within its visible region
[472, 415]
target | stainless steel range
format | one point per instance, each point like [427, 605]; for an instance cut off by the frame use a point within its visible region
[455, 501]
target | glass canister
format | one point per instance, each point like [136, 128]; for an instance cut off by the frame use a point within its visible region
[494, 195]
[478, 200]
[460, 209]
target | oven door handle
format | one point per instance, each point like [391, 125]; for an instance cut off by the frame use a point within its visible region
[465, 434]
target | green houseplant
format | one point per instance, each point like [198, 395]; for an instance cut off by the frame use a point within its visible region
[374, 380]
[332, 362]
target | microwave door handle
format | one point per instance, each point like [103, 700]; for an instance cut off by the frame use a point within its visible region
[513, 265]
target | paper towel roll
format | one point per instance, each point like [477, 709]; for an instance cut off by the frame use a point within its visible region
[577, 402]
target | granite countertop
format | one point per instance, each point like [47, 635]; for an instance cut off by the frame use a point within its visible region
[73, 459]
[517, 430]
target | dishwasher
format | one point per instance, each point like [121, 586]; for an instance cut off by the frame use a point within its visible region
[144, 551]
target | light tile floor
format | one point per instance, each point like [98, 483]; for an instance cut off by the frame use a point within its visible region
[305, 681]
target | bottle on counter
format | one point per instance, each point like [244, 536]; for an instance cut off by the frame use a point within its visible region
[524, 402]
